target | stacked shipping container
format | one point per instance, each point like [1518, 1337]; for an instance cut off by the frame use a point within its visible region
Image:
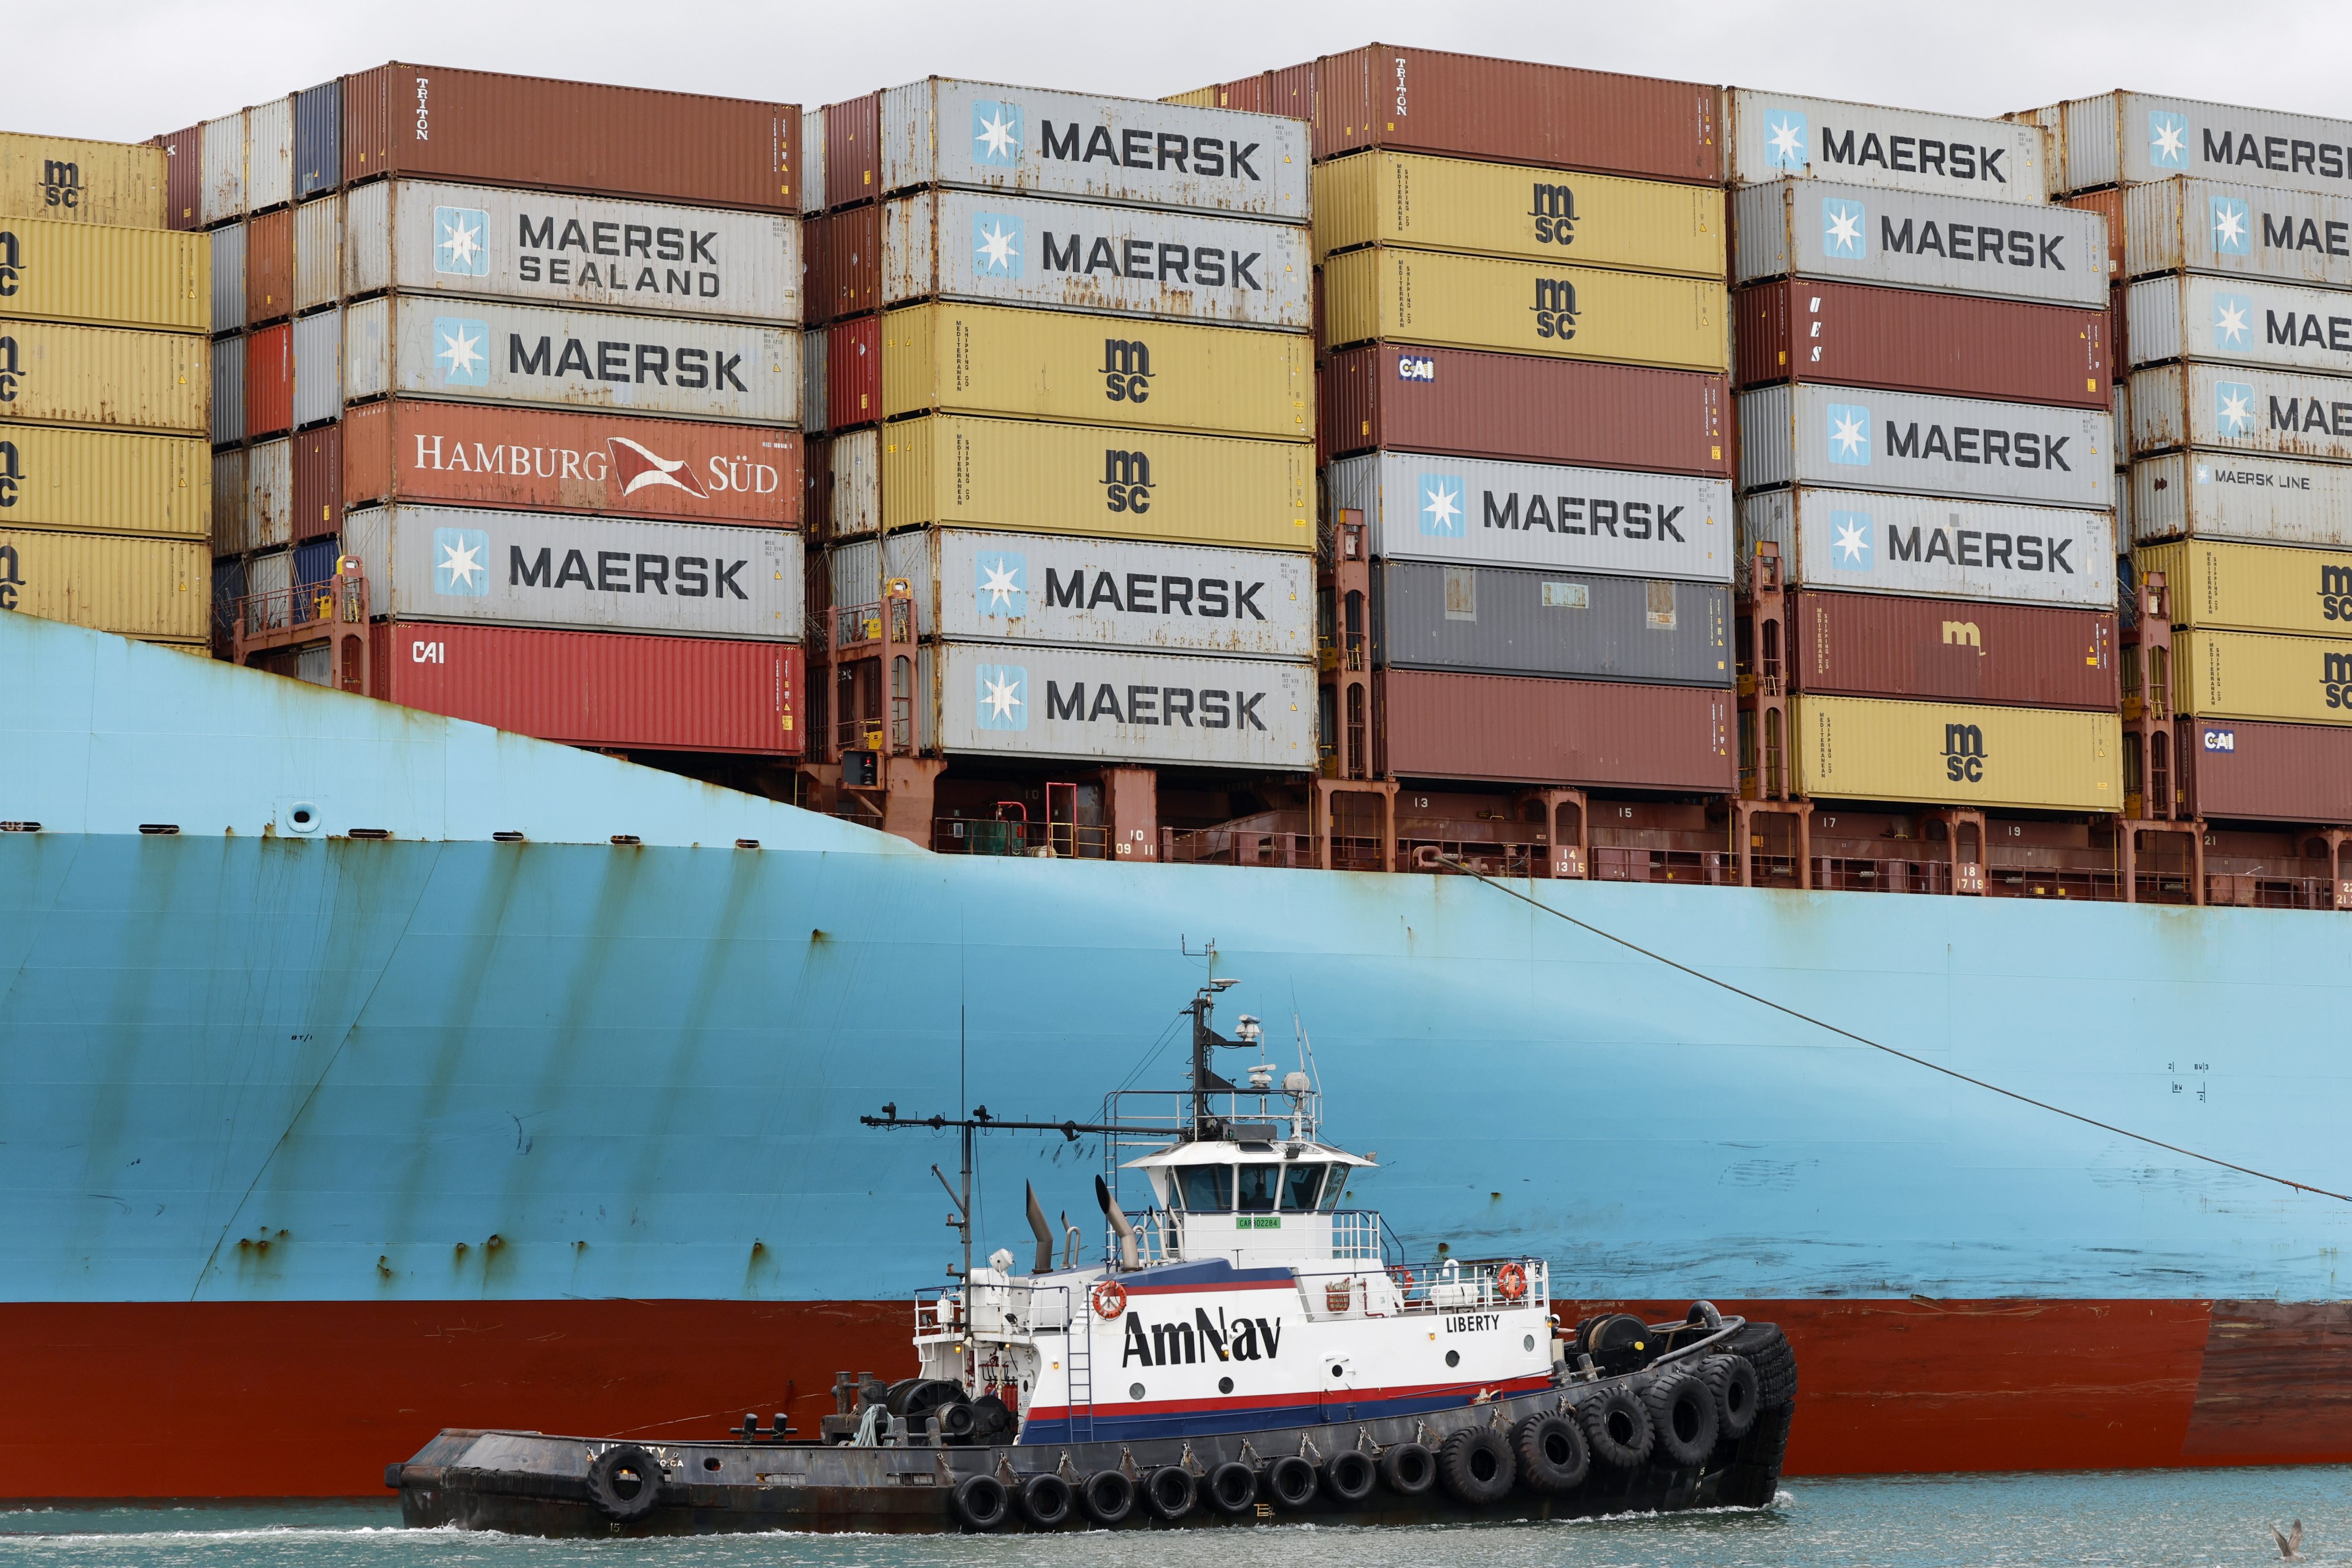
[1926, 438]
[105, 487]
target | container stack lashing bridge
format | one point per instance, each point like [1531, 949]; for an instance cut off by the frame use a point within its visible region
[874, 690]
[2155, 821]
[1348, 701]
[1767, 797]
[333, 615]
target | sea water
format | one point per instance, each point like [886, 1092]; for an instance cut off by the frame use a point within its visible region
[2135, 1520]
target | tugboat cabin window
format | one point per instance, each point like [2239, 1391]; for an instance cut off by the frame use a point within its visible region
[1260, 1184]
[1300, 1184]
[1205, 1189]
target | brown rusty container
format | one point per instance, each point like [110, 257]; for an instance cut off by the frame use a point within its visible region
[1520, 730]
[1512, 111]
[269, 267]
[1907, 339]
[816, 275]
[2238, 769]
[501, 130]
[319, 481]
[1475, 405]
[853, 375]
[852, 269]
[816, 494]
[269, 382]
[2109, 203]
[1958, 650]
[184, 176]
[852, 152]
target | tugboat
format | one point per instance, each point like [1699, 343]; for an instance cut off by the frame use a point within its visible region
[1249, 1351]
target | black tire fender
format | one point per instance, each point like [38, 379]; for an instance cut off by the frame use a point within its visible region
[1290, 1481]
[1407, 1470]
[1767, 1349]
[1047, 1500]
[1169, 1491]
[1737, 1394]
[624, 1482]
[1682, 1412]
[1349, 1475]
[1232, 1487]
[1476, 1467]
[1617, 1425]
[1106, 1497]
[1553, 1456]
[979, 1502]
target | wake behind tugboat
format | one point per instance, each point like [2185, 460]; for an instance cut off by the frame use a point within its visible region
[1247, 1352]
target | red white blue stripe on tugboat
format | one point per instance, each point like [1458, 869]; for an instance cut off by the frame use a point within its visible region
[1237, 1413]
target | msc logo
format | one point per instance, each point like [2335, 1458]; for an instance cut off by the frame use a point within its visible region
[9, 263]
[1003, 694]
[1962, 634]
[1555, 308]
[1964, 754]
[12, 473]
[8, 372]
[12, 577]
[995, 133]
[61, 184]
[2336, 679]
[1554, 209]
[2334, 582]
[1127, 481]
[2220, 740]
[1127, 370]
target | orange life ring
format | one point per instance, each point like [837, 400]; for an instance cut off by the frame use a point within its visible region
[1511, 1282]
[1405, 1283]
[1111, 1299]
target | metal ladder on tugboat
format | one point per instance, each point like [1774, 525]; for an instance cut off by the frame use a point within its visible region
[1082, 1377]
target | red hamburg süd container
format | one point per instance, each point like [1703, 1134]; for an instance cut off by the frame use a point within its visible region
[852, 261]
[269, 382]
[2236, 770]
[1909, 339]
[269, 267]
[1958, 650]
[1529, 410]
[318, 482]
[473, 454]
[498, 130]
[1512, 111]
[597, 689]
[853, 150]
[852, 373]
[184, 176]
[1515, 729]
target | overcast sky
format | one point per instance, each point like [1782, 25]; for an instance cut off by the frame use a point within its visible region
[130, 68]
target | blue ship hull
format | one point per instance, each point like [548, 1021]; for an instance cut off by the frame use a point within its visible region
[459, 1128]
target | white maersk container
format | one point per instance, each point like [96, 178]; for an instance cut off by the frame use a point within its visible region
[1072, 256]
[2131, 138]
[2241, 320]
[2252, 501]
[984, 136]
[421, 237]
[482, 352]
[1462, 510]
[1873, 542]
[1779, 135]
[2239, 408]
[2238, 230]
[1851, 438]
[580, 573]
[1958, 245]
[1105, 706]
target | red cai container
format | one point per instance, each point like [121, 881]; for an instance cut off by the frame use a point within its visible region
[852, 373]
[318, 482]
[853, 150]
[1958, 650]
[269, 382]
[184, 176]
[1512, 111]
[2238, 770]
[269, 267]
[597, 689]
[473, 454]
[1907, 339]
[1514, 729]
[1518, 407]
[852, 261]
[503, 130]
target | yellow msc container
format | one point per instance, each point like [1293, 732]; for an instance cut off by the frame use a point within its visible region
[82, 182]
[1505, 209]
[2254, 588]
[105, 481]
[159, 279]
[1523, 307]
[105, 377]
[1952, 754]
[1097, 370]
[136, 587]
[2244, 675]
[1094, 480]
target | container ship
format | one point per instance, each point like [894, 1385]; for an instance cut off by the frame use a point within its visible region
[549, 675]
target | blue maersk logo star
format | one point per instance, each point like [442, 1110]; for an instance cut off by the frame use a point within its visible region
[1843, 236]
[999, 578]
[2233, 407]
[461, 562]
[2233, 321]
[2167, 140]
[1442, 515]
[1785, 143]
[997, 243]
[995, 133]
[1004, 691]
[1849, 541]
[2233, 227]
[1848, 428]
[461, 241]
[461, 350]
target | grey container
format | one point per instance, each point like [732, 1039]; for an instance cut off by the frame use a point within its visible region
[318, 366]
[984, 136]
[1849, 438]
[2236, 409]
[813, 161]
[1470, 511]
[2238, 230]
[229, 278]
[2249, 501]
[272, 572]
[2237, 320]
[1500, 620]
[424, 237]
[1852, 234]
[857, 459]
[580, 573]
[1089, 256]
[222, 196]
[318, 138]
[1933, 547]
[1105, 705]
[269, 495]
[1777, 135]
[270, 154]
[814, 342]
[2131, 138]
[319, 252]
[230, 534]
[228, 392]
